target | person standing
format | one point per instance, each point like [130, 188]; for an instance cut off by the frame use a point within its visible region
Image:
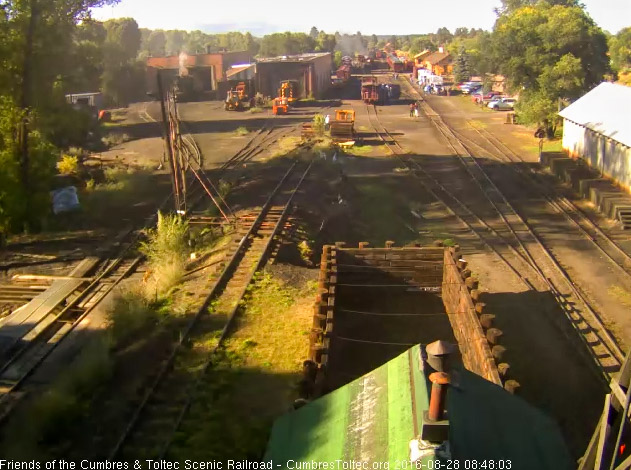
[412, 105]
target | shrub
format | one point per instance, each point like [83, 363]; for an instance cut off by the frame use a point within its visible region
[318, 125]
[224, 188]
[115, 138]
[166, 249]
[53, 415]
[22, 208]
[130, 314]
[241, 131]
[68, 165]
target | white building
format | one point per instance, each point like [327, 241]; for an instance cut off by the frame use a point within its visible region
[597, 128]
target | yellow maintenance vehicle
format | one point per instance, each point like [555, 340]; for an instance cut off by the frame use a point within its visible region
[237, 97]
[343, 127]
[280, 106]
[289, 91]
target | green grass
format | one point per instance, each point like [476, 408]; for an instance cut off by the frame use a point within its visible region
[256, 109]
[115, 193]
[38, 430]
[555, 145]
[359, 150]
[241, 131]
[383, 213]
[253, 379]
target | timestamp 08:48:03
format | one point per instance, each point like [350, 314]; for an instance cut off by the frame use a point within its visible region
[454, 464]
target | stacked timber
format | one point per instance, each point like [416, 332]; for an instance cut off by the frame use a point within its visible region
[479, 341]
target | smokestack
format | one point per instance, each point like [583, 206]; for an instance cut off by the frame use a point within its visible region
[438, 354]
[440, 381]
[183, 60]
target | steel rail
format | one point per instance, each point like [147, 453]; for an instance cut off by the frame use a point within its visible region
[221, 281]
[226, 329]
[397, 150]
[556, 294]
[609, 342]
[552, 196]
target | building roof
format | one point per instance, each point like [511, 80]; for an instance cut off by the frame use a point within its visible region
[295, 58]
[236, 71]
[375, 418]
[437, 57]
[189, 60]
[604, 110]
[422, 55]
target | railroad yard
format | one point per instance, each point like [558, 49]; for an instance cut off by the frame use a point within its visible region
[206, 376]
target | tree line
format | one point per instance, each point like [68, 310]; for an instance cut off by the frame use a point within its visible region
[550, 51]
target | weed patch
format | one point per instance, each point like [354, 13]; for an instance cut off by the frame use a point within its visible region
[115, 138]
[241, 131]
[359, 150]
[68, 165]
[555, 145]
[37, 430]
[253, 378]
[167, 251]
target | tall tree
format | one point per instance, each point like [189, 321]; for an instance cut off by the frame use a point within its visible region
[314, 32]
[36, 37]
[509, 6]
[325, 42]
[120, 69]
[549, 53]
[620, 50]
[156, 43]
[443, 36]
[462, 69]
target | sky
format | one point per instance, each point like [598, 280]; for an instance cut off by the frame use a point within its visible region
[368, 16]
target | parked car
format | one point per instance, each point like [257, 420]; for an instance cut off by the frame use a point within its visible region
[484, 98]
[473, 87]
[503, 104]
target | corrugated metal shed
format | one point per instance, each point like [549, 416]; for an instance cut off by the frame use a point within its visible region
[604, 110]
[374, 419]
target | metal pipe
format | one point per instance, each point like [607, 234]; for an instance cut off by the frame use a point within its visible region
[440, 381]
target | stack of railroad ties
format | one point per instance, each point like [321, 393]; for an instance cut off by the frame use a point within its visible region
[478, 340]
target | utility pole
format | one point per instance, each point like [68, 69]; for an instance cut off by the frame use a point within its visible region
[167, 141]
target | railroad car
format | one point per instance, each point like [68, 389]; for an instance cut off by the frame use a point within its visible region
[344, 73]
[396, 64]
[372, 92]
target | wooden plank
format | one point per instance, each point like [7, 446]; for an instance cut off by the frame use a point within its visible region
[45, 277]
[21, 321]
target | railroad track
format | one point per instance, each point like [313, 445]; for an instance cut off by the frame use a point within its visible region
[65, 311]
[68, 306]
[559, 203]
[165, 404]
[518, 242]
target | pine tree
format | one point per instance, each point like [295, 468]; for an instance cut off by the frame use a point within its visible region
[462, 70]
